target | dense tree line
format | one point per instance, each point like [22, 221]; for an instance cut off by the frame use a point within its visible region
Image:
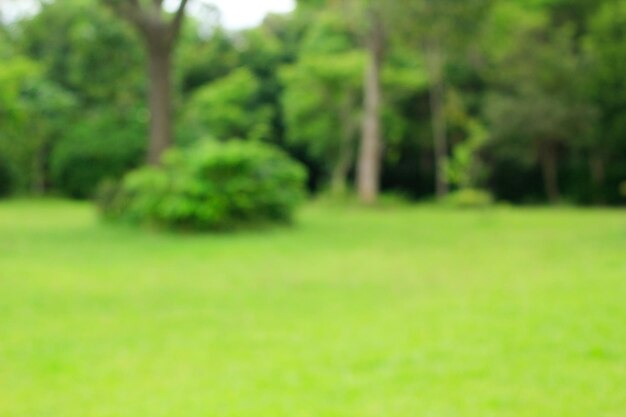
[525, 99]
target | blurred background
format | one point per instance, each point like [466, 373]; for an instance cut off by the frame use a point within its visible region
[520, 101]
[452, 172]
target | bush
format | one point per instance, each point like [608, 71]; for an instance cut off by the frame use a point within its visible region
[210, 186]
[94, 151]
[469, 198]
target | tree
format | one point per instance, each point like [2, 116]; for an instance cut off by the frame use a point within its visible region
[321, 105]
[204, 59]
[445, 27]
[88, 59]
[84, 48]
[160, 34]
[366, 19]
[321, 101]
[33, 112]
[370, 154]
[606, 47]
[228, 108]
[535, 104]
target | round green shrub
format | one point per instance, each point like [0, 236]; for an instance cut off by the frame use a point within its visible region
[93, 152]
[210, 186]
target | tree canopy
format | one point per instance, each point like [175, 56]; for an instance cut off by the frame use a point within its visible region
[524, 99]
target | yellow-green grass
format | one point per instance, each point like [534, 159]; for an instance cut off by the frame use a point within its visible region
[401, 312]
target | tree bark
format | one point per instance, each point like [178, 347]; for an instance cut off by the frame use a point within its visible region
[438, 120]
[369, 164]
[160, 35]
[550, 169]
[160, 103]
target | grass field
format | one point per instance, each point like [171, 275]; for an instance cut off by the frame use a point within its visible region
[403, 312]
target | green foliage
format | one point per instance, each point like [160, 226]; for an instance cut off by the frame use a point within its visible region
[15, 74]
[320, 101]
[505, 24]
[536, 94]
[469, 198]
[541, 81]
[71, 55]
[536, 106]
[328, 34]
[85, 49]
[227, 108]
[605, 45]
[15, 149]
[210, 186]
[465, 168]
[33, 112]
[203, 60]
[448, 23]
[101, 147]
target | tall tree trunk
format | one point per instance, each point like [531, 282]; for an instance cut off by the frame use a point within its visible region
[550, 169]
[438, 119]
[160, 34]
[159, 71]
[598, 177]
[369, 164]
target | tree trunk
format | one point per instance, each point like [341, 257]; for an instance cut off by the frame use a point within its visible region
[550, 169]
[159, 71]
[160, 35]
[369, 165]
[598, 177]
[438, 120]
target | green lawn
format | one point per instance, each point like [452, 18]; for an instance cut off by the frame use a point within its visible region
[403, 312]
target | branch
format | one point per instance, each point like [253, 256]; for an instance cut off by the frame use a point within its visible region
[177, 22]
[130, 10]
